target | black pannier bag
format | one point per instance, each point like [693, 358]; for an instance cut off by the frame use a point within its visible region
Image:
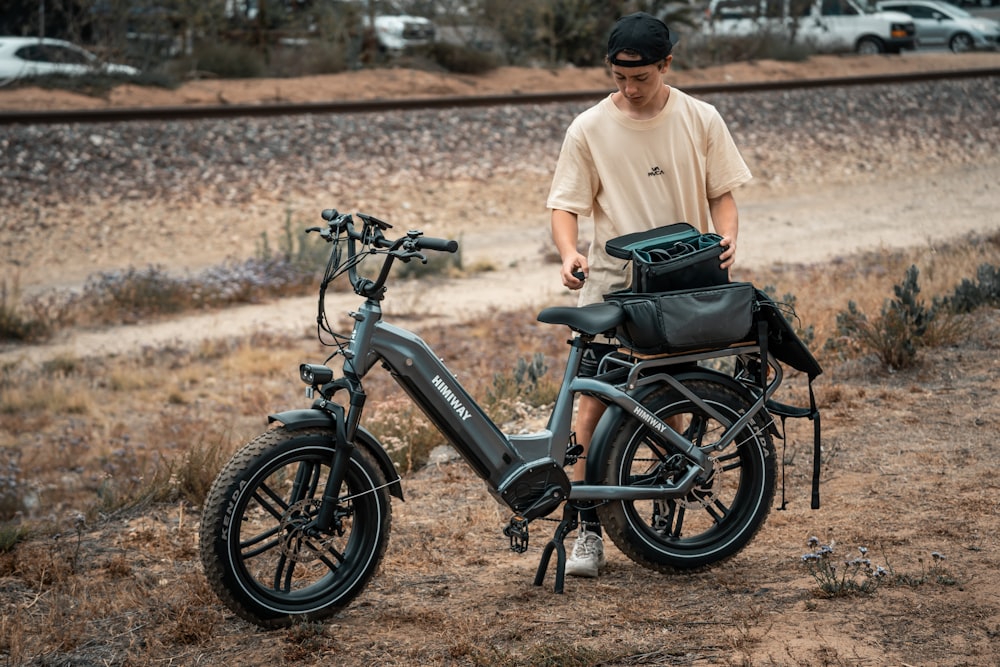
[672, 257]
[683, 320]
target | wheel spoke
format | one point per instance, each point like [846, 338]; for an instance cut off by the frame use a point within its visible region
[722, 513]
[678, 521]
[731, 461]
[336, 553]
[257, 539]
[670, 522]
[283, 574]
[306, 481]
[696, 430]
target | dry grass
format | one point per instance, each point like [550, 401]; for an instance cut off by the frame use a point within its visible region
[111, 456]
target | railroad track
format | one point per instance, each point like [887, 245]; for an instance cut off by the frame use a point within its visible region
[121, 115]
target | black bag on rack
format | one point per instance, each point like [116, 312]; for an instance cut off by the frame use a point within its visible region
[682, 320]
[669, 258]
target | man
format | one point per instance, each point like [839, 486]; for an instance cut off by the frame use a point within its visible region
[645, 156]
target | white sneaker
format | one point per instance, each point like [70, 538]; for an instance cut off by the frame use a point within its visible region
[587, 556]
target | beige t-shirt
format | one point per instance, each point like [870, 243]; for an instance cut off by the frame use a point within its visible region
[633, 175]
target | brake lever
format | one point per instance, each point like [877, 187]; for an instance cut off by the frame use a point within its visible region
[324, 233]
[407, 255]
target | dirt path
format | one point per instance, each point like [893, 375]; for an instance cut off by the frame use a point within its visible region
[791, 228]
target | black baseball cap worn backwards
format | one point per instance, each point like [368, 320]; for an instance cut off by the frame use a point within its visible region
[643, 34]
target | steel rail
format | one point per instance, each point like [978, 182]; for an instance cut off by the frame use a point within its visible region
[198, 112]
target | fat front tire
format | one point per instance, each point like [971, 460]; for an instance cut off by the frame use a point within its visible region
[259, 549]
[721, 514]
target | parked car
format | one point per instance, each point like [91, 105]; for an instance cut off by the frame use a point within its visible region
[827, 25]
[943, 24]
[23, 57]
[397, 32]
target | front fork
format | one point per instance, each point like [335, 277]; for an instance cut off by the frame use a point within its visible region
[343, 449]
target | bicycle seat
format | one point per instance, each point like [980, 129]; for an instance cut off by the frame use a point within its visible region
[592, 319]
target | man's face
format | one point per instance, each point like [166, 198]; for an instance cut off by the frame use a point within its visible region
[639, 85]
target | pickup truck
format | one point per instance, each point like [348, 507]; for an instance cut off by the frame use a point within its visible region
[827, 25]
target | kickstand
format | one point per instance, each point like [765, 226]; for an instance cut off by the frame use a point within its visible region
[568, 523]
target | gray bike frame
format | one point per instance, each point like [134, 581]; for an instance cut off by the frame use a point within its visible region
[502, 459]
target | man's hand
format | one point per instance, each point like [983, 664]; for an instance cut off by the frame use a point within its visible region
[574, 264]
[728, 256]
[565, 233]
[726, 221]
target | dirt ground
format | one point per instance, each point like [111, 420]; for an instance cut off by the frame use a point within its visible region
[909, 459]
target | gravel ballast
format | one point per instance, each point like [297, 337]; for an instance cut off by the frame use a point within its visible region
[789, 137]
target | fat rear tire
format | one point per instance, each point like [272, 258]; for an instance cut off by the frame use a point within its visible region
[257, 550]
[720, 515]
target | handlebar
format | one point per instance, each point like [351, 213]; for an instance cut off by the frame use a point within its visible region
[341, 226]
[441, 245]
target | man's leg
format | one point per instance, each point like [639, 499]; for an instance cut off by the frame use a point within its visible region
[587, 556]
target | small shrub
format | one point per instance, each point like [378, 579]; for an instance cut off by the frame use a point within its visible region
[525, 384]
[12, 490]
[462, 59]
[318, 57]
[12, 535]
[229, 61]
[836, 579]
[305, 253]
[897, 333]
[193, 476]
[969, 295]
[15, 324]
[92, 84]
[406, 434]
[722, 49]
[936, 573]
[858, 576]
[129, 295]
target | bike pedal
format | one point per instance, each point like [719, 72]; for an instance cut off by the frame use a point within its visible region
[573, 454]
[517, 531]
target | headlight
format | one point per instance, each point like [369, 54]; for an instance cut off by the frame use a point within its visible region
[315, 375]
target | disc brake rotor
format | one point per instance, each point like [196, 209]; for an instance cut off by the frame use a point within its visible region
[296, 543]
[704, 494]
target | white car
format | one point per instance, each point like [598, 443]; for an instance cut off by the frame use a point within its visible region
[826, 25]
[397, 32]
[23, 57]
[943, 24]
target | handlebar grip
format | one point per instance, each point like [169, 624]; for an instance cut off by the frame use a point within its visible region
[441, 245]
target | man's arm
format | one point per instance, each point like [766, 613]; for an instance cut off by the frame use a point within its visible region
[566, 235]
[726, 221]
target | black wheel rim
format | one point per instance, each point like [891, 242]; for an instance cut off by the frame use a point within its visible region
[276, 562]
